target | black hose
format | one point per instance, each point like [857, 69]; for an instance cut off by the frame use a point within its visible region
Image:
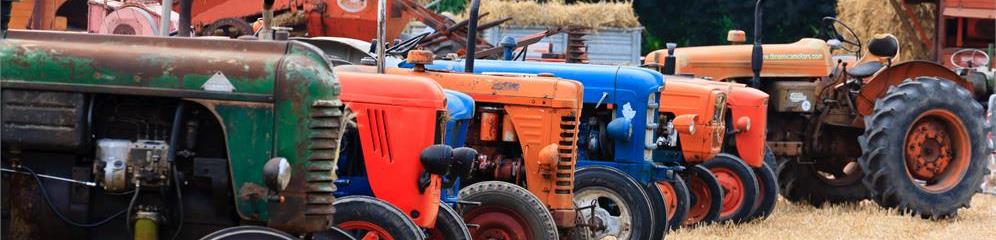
[174, 137]
[64, 218]
[131, 204]
[475, 6]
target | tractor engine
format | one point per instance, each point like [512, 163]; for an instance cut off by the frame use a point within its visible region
[84, 166]
[499, 153]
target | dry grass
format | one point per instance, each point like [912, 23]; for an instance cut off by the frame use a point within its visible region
[869, 17]
[591, 15]
[854, 221]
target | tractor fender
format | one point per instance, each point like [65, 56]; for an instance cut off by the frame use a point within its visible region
[749, 106]
[876, 87]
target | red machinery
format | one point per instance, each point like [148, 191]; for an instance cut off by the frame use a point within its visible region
[960, 24]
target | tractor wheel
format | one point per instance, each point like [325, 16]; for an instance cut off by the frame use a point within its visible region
[449, 225]
[506, 211]
[800, 182]
[365, 217]
[706, 198]
[924, 148]
[675, 194]
[660, 208]
[615, 203]
[739, 184]
[248, 232]
[767, 186]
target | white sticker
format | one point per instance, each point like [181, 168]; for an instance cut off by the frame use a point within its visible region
[628, 111]
[806, 105]
[797, 96]
[218, 83]
[353, 6]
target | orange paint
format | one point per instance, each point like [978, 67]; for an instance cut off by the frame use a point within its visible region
[808, 57]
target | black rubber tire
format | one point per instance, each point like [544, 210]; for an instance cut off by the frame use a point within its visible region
[624, 188]
[748, 180]
[449, 225]
[679, 212]
[884, 140]
[799, 182]
[248, 232]
[377, 212]
[768, 186]
[660, 211]
[698, 173]
[515, 198]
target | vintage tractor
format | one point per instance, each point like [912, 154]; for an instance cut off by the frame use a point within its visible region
[908, 135]
[114, 137]
[392, 119]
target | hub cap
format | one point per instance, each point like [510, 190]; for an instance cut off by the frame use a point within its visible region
[670, 197]
[937, 151]
[496, 222]
[700, 201]
[609, 212]
[733, 190]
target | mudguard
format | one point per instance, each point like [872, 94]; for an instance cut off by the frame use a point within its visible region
[876, 86]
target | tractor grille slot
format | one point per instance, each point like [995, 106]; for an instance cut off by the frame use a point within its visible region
[566, 154]
[326, 131]
[377, 120]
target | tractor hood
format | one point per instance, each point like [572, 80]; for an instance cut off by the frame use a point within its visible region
[808, 57]
[597, 79]
[460, 106]
[390, 90]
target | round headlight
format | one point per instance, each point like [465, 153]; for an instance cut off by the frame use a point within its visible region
[463, 161]
[277, 173]
[437, 159]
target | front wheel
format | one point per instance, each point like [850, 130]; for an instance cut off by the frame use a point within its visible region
[924, 148]
[615, 203]
[739, 186]
[365, 217]
[706, 198]
[506, 211]
[767, 185]
[449, 225]
[675, 194]
[248, 232]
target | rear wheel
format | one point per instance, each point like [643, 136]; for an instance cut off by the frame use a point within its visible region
[365, 217]
[248, 232]
[675, 195]
[924, 148]
[801, 182]
[449, 225]
[613, 202]
[706, 198]
[506, 211]
[739, 185]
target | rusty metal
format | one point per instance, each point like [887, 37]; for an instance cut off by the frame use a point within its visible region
[577, 50]
[522, 41]
[928, 149]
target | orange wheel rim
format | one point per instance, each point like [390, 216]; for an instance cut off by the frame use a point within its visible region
[700, 206]
[937, 151]
[733, 190]
[370, 230]
[670, 198]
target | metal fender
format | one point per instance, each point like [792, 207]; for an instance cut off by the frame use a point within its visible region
[748, 107]
[876, 87]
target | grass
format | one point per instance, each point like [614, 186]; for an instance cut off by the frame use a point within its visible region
[864, 220]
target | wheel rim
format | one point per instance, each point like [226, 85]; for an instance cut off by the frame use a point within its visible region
[937, 151]
[611, 215]
[733, 190]
[670, 197]
[366, 230]
[496, 222]
[700, 195]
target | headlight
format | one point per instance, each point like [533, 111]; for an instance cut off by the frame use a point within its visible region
[277, 173]
[720, 106]
[437, 159]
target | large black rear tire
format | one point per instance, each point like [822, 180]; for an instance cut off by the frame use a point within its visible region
[449, 225]
[800, 182]
[924, 148]
[620, 203]
[506, 211]
[363, 215]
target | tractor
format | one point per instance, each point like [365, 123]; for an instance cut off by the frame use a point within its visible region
[115, 137]
[379, 153]
[908, 135]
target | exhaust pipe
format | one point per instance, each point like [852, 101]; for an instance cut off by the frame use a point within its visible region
[266, 32]
[757, 55]
[475, 6]
[185, 30]
[381, 30]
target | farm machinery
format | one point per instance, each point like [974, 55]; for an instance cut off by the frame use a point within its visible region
[908, 135]
[114, 137]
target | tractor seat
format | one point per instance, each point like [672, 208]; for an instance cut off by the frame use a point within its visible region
[865, 69]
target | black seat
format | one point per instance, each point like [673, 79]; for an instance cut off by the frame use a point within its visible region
[884, 45]
[865, 69]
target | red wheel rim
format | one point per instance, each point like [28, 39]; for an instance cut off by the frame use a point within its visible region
[699, 208]
[370, 230]
[496, 223]
[937, 151]
[733, 191]
[670, 199]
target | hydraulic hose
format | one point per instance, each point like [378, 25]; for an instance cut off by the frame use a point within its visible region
[63, 217]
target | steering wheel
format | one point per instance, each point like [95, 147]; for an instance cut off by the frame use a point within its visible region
[850, 43]
[973, 60]
[407, 45]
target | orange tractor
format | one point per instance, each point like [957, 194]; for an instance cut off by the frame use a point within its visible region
[908, 135]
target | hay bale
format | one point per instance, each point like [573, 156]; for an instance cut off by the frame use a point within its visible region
[531, 13]
[868, 18]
